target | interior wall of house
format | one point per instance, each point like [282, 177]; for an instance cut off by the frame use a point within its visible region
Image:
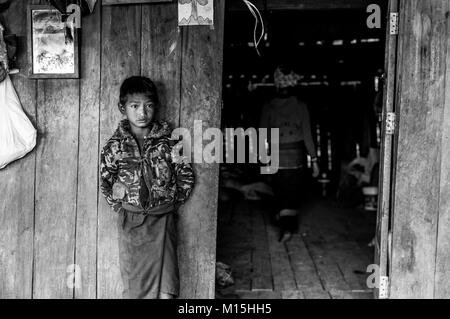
[52, 215]
[420, 222]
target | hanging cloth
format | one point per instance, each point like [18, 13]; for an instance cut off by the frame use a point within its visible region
[17, 134]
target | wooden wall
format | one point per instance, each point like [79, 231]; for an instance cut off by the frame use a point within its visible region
[51, 212]
[421, 219]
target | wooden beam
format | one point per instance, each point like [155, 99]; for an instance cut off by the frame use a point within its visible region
[17, 182]
[239, 5]
[201, 99]
[442, 276]
[421, 91]
[56, 187]
[121, 58]
[385, 193]
[262, 270]
[88, 159]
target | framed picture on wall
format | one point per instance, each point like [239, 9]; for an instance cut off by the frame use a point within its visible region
[52, 46]
[113, 2]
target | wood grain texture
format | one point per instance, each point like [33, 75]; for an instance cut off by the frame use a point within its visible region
[161, 56]
[237, 250]
[442, 275]
[292, 294]
[17, 183]
[56, 180]
[305, 272]
[421, 99]
[283, 275]
[350, 258]
[121, 52]
[201, 87]
[125, 2]
[381, 257]
[262, 263]
[327, 267]
[88, 159]
[316, 294]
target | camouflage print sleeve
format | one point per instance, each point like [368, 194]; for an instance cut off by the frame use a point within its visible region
[184, 173]
[108, 175]
[185, 180]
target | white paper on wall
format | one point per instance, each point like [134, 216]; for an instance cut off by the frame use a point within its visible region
[195, 12]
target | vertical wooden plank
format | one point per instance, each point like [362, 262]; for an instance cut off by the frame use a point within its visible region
[17, 182]
[421, 96]
[234, 242]
[161, 56]
[282, 272]
[305, 271]
[121, 52]
[86, 223]
[442, 276]
[263, 262]
[56, 186]
[201, 86]
[386, 192]
[328, 269]
[350, 258]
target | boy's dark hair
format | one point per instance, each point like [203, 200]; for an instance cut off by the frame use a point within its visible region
[136, 85]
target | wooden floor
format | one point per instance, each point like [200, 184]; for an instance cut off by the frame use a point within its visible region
[326, 259]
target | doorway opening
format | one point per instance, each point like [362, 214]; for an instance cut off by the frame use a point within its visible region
[340, 62]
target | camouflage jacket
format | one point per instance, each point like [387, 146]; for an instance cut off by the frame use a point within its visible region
[125, 171]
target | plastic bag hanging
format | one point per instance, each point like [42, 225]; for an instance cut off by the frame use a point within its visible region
[17, 134]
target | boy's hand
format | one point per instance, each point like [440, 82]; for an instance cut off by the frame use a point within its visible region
[119, 190]
[176, 154]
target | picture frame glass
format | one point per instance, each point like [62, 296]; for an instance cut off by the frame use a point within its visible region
[53, 51]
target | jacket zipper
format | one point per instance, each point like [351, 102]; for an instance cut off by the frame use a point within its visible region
[143, 172]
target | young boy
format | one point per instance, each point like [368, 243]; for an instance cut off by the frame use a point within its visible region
[145, 184]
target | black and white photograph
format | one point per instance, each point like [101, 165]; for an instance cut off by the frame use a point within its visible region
[53, 44]
[252, 153]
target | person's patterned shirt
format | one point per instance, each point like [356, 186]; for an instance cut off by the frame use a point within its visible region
[125, 171]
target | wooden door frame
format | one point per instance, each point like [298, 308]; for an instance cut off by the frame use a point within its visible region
[383, 240]
[387, 156]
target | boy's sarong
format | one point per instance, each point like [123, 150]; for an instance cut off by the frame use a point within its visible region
[148, 256]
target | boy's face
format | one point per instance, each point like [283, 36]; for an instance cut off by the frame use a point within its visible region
[139, 110]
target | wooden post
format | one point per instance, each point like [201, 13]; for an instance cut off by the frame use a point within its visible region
[161, 56]
[201, 99]
[385, 189]
[121, 58]
[421, 174]
[17, 183]
[88, 155]
[442, 275]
